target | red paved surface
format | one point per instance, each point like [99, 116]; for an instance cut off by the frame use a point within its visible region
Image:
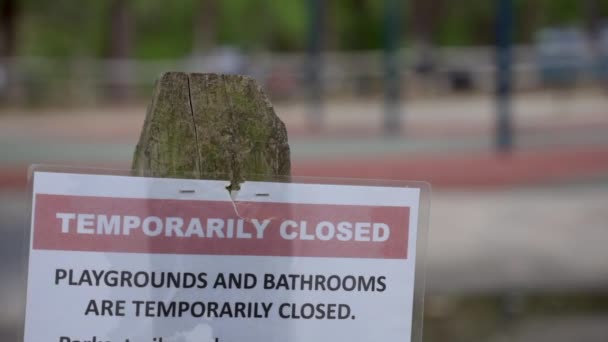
[480, 170]
[476, 170]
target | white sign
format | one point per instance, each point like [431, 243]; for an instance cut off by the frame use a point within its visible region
[131, 259]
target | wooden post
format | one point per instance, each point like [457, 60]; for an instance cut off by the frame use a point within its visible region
[211, 126]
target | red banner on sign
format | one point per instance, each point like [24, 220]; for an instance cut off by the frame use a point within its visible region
[130, 225]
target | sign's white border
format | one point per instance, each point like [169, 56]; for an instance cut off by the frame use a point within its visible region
[383, 193]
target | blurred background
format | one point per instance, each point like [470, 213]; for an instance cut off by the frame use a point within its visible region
[502, 105]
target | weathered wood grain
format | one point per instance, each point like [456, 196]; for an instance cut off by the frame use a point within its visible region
[211, 126]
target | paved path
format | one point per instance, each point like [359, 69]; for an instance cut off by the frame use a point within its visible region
[446, 116]
[534, 239]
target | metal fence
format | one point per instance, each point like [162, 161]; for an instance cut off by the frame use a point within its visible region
[85, 81]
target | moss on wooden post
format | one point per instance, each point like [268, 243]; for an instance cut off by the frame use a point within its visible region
[211, 126]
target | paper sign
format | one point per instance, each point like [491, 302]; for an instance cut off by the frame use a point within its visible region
[133, 259]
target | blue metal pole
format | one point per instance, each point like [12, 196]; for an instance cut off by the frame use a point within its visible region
[504, 61]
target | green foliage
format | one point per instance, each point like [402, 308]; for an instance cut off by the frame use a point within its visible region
[62, 28]
[560, 12]
[166, 29]
[279, 25]
[467, 21]
[235, 22]
[288, 24]
[359, 23]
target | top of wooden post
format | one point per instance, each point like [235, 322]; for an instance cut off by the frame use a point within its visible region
[211, 126]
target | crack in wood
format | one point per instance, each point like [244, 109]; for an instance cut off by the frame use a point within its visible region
[211, 126]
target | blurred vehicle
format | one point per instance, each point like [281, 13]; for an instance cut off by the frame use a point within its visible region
[281, 82]
[461, 80]
[561, 56]
[226, 60]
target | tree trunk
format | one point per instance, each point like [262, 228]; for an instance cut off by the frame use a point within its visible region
[119, 50]
[8, 42]
[205, 26]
